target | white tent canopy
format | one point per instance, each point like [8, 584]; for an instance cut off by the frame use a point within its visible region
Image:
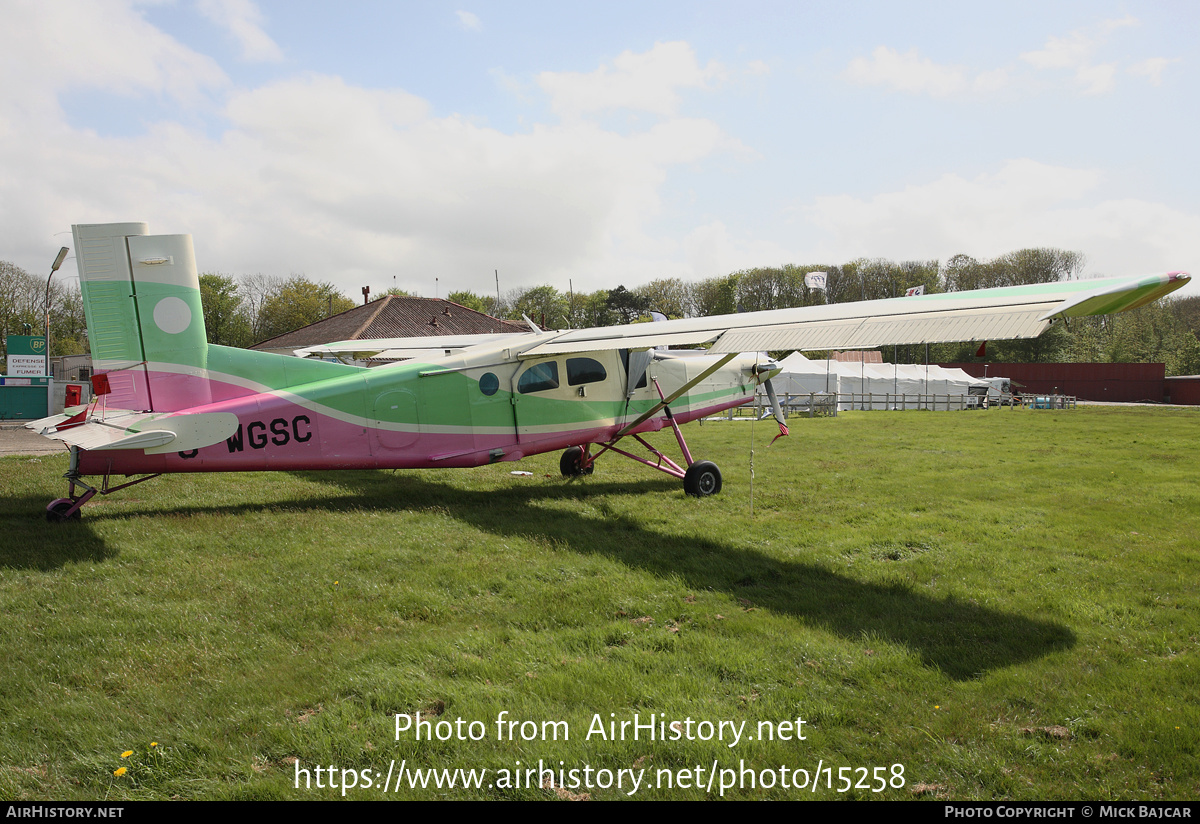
[886, 385]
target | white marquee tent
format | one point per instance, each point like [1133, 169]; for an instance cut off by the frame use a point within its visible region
[885, 385]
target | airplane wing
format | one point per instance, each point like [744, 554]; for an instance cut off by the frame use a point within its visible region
[986, 314]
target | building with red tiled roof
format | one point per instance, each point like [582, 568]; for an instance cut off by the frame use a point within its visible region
[392, 316]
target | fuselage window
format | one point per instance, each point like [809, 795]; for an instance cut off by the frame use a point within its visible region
[539, 377]
[584, 370]
[489, 383]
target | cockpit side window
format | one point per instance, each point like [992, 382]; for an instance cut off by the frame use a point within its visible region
[539, 377]
[584, 370]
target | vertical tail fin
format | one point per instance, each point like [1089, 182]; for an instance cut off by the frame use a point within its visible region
[145, 324]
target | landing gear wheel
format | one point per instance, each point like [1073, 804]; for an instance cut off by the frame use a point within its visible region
[56, 512]
[702, 479]
[571, 463]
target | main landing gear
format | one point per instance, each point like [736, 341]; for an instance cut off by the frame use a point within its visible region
[573, 464]
[700, 479]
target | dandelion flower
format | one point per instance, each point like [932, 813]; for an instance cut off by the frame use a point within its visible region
[127, 753]
[119, 771]
[153, 743]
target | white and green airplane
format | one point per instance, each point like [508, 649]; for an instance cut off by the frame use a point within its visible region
[168, 401]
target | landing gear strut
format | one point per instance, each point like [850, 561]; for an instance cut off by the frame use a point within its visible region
[700, 479]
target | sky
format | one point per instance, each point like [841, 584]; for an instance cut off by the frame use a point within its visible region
[428, 145]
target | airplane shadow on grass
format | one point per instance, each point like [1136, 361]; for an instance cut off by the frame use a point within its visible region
[961, 639]
[28, 542]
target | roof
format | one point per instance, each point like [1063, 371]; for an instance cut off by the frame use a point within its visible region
[858, 356]
[392, 316]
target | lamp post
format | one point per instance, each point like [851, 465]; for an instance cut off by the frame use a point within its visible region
[62, 255]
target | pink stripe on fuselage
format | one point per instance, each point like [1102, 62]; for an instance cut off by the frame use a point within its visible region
[276, 433]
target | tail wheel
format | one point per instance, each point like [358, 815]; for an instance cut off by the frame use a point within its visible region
[56, 512]
[571, 463]
[702, 479]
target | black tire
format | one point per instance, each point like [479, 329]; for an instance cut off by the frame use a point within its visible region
[571, 463]
[56, 513]
[702, 479]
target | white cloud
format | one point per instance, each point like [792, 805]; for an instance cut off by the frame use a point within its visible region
[1075, 49]
[1097, 79]
[106, 46]
[1024, 204]
[908, 72]
[649, 81]
[711, 251]
[1075, 52]
[314, 174]
[56, 174]
[1152, 69]
[757, 67]
[991, 81]
[243, 20]
[469, 21]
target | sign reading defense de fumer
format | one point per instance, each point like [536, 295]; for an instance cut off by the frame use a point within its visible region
[26, 355]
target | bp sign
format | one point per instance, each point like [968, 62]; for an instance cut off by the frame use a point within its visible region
[26, 355]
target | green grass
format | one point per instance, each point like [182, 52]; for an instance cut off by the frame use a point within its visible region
[1004, 602]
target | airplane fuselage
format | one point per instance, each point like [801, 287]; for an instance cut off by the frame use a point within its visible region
[458, 411]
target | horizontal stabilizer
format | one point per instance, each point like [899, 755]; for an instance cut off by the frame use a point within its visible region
[154, 433]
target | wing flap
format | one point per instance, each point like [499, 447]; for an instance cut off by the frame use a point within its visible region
[864, 333]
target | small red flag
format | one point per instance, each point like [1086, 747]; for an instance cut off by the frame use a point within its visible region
[982, 351]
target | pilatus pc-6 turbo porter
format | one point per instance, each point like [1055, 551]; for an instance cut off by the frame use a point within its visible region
[169, 402]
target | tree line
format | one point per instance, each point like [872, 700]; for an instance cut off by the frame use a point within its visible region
[240, 311]
[23, 299]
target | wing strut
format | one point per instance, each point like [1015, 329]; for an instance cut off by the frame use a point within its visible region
[664, 463]
[700, 478]
[661, 405]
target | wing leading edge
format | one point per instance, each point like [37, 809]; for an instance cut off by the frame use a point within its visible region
[987, 314]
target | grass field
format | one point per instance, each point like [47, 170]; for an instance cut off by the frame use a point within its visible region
[1002, 603]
